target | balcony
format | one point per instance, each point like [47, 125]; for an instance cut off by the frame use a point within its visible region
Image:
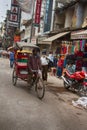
[61, 5]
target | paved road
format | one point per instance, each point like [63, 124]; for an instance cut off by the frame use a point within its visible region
[20, 109]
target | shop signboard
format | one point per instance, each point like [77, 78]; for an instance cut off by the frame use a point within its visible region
[79, 35]
[38, 12]
[14, 17]
[16, 39]
[48, 15]
[33, 40]
[84, 36]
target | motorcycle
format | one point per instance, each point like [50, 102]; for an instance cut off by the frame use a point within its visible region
[83, 87]
[76, 81]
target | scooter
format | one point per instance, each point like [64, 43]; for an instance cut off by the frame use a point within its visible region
[75, 81]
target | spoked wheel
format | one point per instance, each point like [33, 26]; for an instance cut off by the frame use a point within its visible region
[14, 77]
[82, 91]
[40, 88]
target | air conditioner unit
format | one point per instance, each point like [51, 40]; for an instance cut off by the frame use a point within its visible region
[60, 5]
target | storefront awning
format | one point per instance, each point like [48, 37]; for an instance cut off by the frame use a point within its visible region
[51, 39]
[79, 35]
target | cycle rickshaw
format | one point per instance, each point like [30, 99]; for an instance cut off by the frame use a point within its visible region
[20, 70]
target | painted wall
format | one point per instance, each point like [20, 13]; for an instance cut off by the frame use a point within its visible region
[59, 21]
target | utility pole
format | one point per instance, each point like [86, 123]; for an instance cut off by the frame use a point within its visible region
[32, 20]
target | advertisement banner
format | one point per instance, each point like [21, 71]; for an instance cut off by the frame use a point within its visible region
[48, 15]
[38, 12]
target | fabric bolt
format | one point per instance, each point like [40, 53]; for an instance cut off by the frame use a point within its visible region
[65, 49]
[58, 50]
[79, 65]
[76, 48]
[85, 60]
[79, 54]
[85, 48]
[72, 49]
[83, 44]
[62, 49]
[69, 49]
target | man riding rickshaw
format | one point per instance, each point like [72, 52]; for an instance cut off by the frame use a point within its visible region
[28, 67]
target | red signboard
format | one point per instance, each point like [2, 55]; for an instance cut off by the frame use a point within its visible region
[38, 11]
[16, 38]
[13, 18]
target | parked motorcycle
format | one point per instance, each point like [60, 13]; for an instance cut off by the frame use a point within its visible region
[76, 81]
[83, 87]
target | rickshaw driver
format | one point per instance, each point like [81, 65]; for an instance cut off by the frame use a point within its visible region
[34, 63]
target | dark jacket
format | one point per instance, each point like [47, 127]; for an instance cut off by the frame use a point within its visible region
[34, 63]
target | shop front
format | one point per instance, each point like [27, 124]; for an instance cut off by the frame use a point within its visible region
[80, 43]
[40, 43]
[56, 42]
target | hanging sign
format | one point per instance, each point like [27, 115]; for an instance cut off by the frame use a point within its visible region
[38, 12]
[15, 13]
[48, 15]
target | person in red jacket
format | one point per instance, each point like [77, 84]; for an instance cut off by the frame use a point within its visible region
[59, 67]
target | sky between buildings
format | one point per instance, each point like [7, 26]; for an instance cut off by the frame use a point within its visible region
[4, 6]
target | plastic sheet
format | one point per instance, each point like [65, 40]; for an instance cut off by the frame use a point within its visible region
[80, 103]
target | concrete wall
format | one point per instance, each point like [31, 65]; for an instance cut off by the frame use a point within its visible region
[85, 12]
[59, 21]
[79, 15]
[68, 17]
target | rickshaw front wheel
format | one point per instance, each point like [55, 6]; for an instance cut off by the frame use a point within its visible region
[14, 77]
[40, 88]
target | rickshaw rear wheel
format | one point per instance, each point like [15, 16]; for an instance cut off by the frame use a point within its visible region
[40, 88]
[14, 77]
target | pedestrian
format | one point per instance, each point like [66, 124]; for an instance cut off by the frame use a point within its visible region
[11, 58]
[44, 63]
[55, 61]
[51, 60]
[54, 68]
[59, 67]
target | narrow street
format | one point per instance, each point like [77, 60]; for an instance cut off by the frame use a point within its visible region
[20, 109]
